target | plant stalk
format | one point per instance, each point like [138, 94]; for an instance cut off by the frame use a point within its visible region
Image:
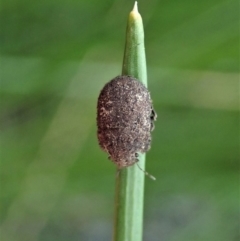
[130, 180]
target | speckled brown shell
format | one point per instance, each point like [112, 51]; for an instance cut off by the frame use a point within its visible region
[125, 120]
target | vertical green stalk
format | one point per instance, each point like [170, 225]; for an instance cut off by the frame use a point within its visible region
[130, 180]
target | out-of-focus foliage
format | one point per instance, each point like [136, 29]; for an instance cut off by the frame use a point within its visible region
[56, 183]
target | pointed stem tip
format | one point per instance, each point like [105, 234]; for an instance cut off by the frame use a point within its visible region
[135, 7]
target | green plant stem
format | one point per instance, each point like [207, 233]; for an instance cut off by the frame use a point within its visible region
[130, 180]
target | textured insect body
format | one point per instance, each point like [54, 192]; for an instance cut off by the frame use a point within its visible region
[125, 119]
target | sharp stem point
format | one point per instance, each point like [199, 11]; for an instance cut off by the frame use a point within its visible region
[135, 7]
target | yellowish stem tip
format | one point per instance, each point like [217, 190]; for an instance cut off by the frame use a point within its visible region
[135, 7]
[134, 14]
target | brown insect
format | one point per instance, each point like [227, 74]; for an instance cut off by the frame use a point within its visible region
[125, 119]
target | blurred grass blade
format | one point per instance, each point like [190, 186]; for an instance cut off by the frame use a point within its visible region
[130, 181]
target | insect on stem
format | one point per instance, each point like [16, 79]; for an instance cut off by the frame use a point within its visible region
[146, 173]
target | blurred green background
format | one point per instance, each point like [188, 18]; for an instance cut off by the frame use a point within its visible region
[56, 183]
